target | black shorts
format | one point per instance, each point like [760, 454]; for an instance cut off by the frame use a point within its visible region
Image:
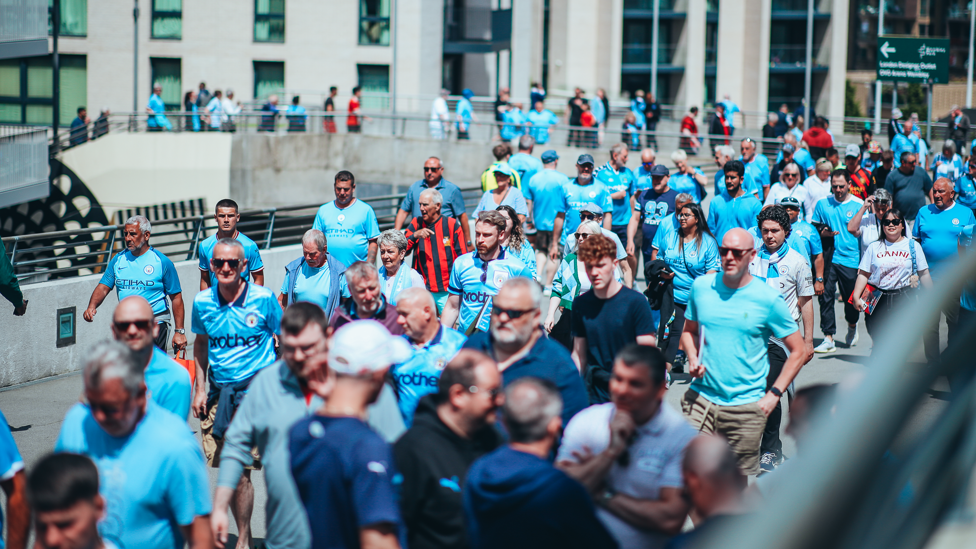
[543, 239]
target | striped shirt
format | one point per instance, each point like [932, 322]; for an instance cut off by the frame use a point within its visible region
[434, 256]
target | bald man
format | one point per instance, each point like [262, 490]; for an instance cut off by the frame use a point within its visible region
[715, 486]
[167, 381]
[737, 313]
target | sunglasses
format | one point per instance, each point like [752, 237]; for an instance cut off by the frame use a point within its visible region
[792, 208]
[582, 236]
[426, 169]
[891, 222]
[141, 325]
[511, 313]
[586, 216]
[492, 393]
[838, 187]
[737, 253]
[791, 175]
[219, 263]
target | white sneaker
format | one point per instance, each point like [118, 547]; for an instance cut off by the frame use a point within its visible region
[827, 346]
[852, 336]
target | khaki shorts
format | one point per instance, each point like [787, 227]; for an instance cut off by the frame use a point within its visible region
[543, 239]
[212, 446]
[741, 425]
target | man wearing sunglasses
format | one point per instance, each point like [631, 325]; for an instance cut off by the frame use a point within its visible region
[627, 452]
[477, 276]
[578, 192]
[154, 481]
[517, 342]
[235, 323]
[832, 215]
[454, 427]
[728, 323]
[452, 203]
[142, 270]
[909, 186]
[168, 382]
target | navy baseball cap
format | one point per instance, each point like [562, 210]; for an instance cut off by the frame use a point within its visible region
[549, 157]
[585, 159]
[659, 170]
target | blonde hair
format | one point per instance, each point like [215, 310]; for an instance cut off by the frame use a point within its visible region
[679, 156]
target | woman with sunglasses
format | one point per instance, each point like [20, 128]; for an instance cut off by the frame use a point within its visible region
[505, 194]
[569, 283]
[689, 252]
[893, 264]
[515, 241]
[868, 227]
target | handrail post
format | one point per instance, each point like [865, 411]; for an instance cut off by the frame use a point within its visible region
[270, 229]
[111, 247]
[13, 253]
[192, 254]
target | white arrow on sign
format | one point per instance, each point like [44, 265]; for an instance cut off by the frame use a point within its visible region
[886, 49]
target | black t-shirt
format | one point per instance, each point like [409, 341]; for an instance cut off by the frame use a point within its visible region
[499, 103]
[609, 325]
[329, 103]
[880, 176]
[576, 111]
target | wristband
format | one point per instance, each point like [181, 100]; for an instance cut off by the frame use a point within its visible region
[777, 392]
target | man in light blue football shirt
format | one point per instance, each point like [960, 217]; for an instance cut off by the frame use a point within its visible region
[544, 195]
[167, 381]
[142, 270]
[227, 215]
[477, 276]
[153, 479]
[937, 227]
[14, 487]
[433, 345]
[235, 323]
[622, 184]
[735, 207]
[523, 162]
[832, 215]
[577, 193]
[540, 118]
[348, 223]
[757, 165]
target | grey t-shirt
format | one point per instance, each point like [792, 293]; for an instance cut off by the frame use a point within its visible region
[909, 191]
[655, 462]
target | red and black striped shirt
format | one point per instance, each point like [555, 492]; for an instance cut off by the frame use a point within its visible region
[434, 256]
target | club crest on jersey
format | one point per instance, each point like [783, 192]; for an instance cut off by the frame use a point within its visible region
[499, 278]
[251, 320]
[592, 194]
[341, 218]
[148, 269]
[955, 221]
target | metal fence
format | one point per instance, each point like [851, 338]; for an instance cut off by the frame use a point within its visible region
[23, 20]
[66, 254]
[24, 164]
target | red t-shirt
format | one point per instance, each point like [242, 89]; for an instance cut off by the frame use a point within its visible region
[587, 120]
[353, 107]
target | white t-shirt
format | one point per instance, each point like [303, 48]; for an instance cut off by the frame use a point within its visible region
[779, 191]
[870, 231]
[439, 111]
[655, 462]
[416, 281]
[890, 265]
[818, 189]
[793, 281]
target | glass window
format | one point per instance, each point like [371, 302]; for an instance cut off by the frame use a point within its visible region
[166, 72]
[26, 89]
[74, 18]
[167, 19]
[375, 83]
[374, 22]
[269, 78]
[269, 20]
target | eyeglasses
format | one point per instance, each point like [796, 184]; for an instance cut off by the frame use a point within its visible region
[891, 222]
[219, 263]
[511, 313]
[737, 253]
[492, 393]
[426, 169]
[141, 325]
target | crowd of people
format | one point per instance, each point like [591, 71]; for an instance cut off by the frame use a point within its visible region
[434, 401]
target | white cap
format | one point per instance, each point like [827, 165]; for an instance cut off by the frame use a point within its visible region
[365, 346]
[852, 150]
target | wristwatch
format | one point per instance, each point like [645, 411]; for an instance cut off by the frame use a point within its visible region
[180, 331]
[777, 392]
[607, 496]
[819, 279]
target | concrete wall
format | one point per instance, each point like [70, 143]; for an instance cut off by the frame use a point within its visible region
[29, 351]
[124, 170]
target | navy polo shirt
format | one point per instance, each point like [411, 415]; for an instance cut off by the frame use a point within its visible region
[546, 360]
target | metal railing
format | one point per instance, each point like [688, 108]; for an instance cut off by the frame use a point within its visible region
[787, 55]
[23, 163]
[23, 20]
[65, 254]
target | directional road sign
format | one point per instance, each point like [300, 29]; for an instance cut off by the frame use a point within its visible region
[909, 59]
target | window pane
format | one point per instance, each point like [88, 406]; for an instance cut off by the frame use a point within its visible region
[166, 72]
[374, 32]
[269, 78]
[374, 8]
[374, 80]
[74, 17]
[167, 19]
[74, 87]
[39, 78]
[40, 114]
[10, 79]
[10, 113]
